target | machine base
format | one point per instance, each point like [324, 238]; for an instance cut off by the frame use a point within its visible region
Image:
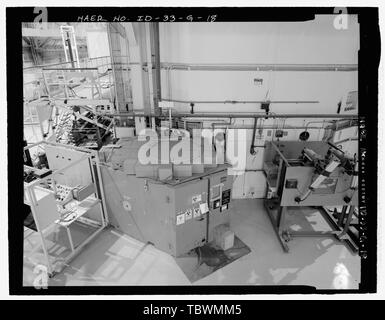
[341, 232]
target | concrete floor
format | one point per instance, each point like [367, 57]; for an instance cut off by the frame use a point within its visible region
[116, 259]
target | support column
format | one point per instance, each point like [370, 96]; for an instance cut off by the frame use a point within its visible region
[119, 65]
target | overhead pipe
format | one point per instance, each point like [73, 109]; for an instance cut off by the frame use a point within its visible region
[261, 67]
[263, 115]
[252, 151]
[245, 126]
[238, 67]
[256, 67]
[244, 115]
[226, 124]
[239, 101]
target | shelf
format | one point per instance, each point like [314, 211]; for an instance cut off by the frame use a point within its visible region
[80, 209]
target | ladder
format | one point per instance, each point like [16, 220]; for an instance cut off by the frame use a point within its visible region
[63, 129]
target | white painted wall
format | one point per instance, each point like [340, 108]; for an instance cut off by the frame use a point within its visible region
[97, 43]
[313, 42]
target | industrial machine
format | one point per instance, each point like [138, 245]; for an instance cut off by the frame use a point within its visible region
[176, 207]
[315, 175]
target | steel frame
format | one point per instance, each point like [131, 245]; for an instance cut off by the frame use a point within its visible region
[93, 159]
[284, 235]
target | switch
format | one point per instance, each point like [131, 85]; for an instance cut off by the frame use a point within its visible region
[291, 184]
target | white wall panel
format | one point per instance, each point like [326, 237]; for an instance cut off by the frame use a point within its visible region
[311, 42]
[97, 44]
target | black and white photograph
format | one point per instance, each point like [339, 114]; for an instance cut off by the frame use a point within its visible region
[192, 150]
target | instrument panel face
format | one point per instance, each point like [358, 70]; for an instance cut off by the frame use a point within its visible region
[220, 196]
[330, 193]
[191, 215]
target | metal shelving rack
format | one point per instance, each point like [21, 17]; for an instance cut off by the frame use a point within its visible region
[44, 205]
